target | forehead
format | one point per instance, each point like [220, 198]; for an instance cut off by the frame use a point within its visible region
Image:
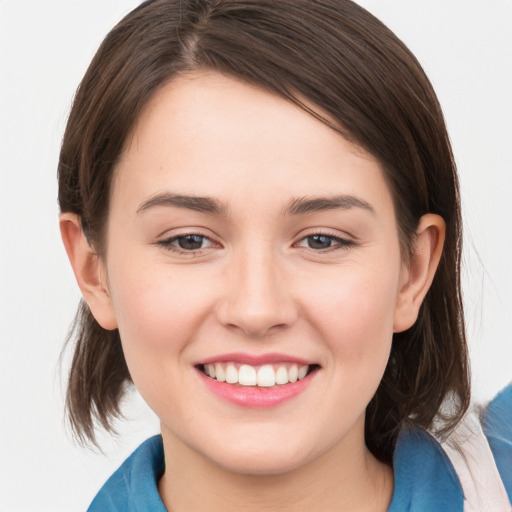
[209, 134]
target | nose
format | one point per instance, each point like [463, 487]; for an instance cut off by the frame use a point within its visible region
[258, 299]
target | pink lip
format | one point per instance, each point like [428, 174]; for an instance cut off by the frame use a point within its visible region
[253, 360]
[256, 397]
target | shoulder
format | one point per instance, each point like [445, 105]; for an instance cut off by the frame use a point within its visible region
[460, 472]
[497, 426]
[480, 449]
[133, 487]
[425, 479]
[470, 471]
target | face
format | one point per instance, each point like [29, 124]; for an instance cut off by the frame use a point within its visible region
[248, 241]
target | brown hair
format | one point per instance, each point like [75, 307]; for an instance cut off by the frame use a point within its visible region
[336, 56]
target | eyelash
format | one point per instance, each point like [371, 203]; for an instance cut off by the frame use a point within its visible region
[338, 243]
[168, 244]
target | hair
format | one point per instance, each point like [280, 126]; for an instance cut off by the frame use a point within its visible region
[339, 63]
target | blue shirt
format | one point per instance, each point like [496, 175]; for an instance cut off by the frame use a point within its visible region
[425, 480]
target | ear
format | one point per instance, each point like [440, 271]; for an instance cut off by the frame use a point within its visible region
[89, 270]
[417, 274]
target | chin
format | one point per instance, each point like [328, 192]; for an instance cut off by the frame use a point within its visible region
[262, 463]
[260, 455]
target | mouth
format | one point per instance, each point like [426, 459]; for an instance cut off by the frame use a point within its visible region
[261, 376]
[256, 381]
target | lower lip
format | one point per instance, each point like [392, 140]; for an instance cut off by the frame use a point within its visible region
[256, 397]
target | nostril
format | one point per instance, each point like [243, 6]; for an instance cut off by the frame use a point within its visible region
[256, 308]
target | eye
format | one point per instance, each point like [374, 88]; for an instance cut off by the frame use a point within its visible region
[319, 242]
[186, 243]
[190, 242]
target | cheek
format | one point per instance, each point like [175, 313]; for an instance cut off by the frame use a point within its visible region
[355, 313]
[354, 317]
[159, 310]
[157, 307]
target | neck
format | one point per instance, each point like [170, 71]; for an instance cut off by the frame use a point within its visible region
[343, 479]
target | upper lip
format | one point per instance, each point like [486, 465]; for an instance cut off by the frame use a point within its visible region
[254, 360]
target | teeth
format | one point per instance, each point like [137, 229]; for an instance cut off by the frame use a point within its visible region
[210, 370]
[282, 375]
[220, 374]
[293, 374]
[231, 374]
[265, 376]
[247, 375]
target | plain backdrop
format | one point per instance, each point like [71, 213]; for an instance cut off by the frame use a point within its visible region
[45, 47]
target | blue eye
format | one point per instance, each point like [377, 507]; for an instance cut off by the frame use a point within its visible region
[319, 242]
[190, 242]
[186, 243]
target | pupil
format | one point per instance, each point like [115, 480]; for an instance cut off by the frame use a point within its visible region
[190, 242]
[319, 242]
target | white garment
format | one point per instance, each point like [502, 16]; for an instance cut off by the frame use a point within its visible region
[472, 459]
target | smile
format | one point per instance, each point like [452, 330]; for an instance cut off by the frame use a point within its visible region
[256, 381]
[265, 376]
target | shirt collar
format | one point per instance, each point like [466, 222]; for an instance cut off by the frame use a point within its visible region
[425, 479]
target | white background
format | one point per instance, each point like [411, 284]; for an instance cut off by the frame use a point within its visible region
[45, 46]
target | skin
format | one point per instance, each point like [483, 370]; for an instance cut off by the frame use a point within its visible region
[255, 286]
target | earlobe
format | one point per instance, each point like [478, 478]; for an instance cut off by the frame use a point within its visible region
[419, 272]
[89, 270]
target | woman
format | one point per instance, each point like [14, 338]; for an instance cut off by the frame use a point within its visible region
[261, 208]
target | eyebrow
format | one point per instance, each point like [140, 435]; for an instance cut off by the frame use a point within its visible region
[196, 203]
[298, 206]
[304, 205]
